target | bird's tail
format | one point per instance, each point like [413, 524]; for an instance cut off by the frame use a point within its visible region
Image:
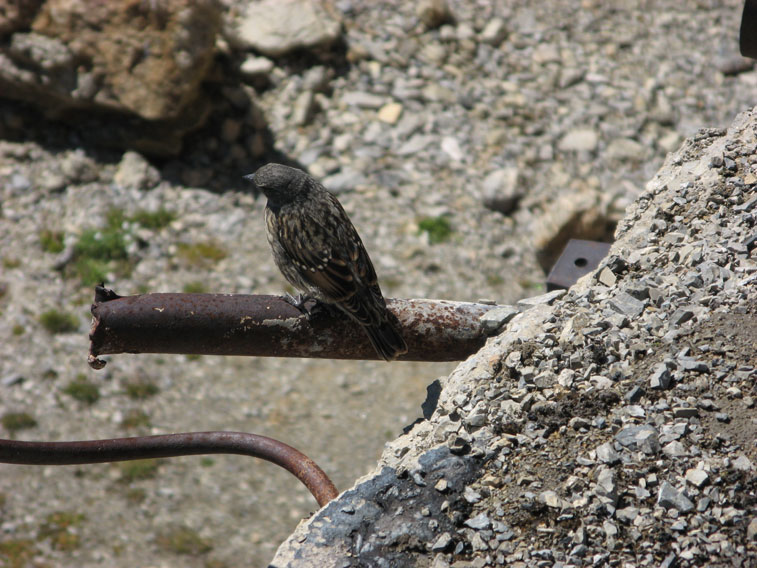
[386, 338]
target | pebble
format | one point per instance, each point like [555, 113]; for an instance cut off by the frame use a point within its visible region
[669, 497]
[674, 449]
[660, 378]
[751, 531]
[742, 463]
[697, 477]
[607, 454]
[501, 190]
[253, 66]
[607, 277]
[136, 172]
[494, 32]
[390, 113]
[434, 13]
[362, 99]
[626, 149]
[479, 522]
[542, 299]
[685, 412]
[579, 140]
[494, 320]
[442, 542]
[627, 305]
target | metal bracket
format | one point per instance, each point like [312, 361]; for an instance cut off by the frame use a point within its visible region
[577, 259]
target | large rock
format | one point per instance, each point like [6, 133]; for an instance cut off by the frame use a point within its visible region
[502, 416]
[144, 61]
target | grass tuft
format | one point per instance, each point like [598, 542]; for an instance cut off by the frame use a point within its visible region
[439, 229]
[83, 390]
[15, 421]
[55, 321]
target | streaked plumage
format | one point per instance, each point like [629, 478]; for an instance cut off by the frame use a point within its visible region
[318, 251]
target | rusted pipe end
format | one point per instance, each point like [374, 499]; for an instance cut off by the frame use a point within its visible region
[97, 333]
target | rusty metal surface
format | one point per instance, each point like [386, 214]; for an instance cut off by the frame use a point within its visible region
[172, 445]
[226, 324]
[577, 259]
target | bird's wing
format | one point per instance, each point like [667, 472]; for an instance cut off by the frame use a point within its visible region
[331, 257]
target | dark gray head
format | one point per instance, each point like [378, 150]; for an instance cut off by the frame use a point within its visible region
[281, 184]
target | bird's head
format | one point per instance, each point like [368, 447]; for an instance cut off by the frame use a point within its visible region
[280, 184]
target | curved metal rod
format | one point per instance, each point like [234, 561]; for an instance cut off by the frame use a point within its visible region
[172, 445]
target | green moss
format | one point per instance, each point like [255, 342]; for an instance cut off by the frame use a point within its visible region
[108, 244]
[183, 540]
[201, 255]
[135, 418]
[138, 469]
[83, 390]
[17, 552]
[195, 287]
[57, 527]
[51, 241]
[154, 219]
[100, 251]
[18, 329]
[91, 271]
[141, 389]
[207, 462]
[56, 321]
[15, 421]
[114, 219]
[11, 262]
[439, 229]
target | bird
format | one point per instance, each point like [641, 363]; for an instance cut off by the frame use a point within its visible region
[318, 250]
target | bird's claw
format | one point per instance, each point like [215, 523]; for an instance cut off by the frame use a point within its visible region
[298, 301]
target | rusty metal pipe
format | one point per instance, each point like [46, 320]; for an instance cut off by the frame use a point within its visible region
[173, 445]
[229, 324]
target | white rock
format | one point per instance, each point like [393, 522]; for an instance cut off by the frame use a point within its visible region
[579, 140]
[276, 27]
[494, 32]
[253, 66]
[697, 477]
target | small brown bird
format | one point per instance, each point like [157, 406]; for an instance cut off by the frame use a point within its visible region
[318, 251]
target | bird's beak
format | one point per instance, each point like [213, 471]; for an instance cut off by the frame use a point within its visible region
[250, 178]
